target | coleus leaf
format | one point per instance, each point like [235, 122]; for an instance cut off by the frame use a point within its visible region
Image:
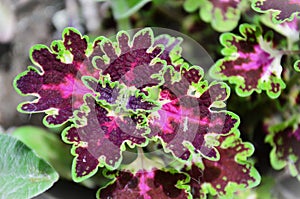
[185, 123]
[223, 15]
[285, 140]
[282, 10]
[99, 136]
[146, 184]
[231, 173]
[250, 62]
[56, 79]
[137, 62]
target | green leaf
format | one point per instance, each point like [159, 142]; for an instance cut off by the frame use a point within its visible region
[23, 174]
[222, 15]
[48, 146]
[125, 8]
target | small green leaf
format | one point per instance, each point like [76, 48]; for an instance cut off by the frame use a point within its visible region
[23, 174]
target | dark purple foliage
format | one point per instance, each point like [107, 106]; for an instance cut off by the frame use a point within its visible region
[58, 85]
[230, 168]
[283, 9]
[145, 185]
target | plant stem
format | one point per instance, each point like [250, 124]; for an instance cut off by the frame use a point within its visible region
[123, 24]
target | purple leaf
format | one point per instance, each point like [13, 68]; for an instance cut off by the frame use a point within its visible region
[134, 64]
[146, 185]
[250, 62]
[232, 172]
[186, 119]
[57, 81]
[99, 136]
[282, 10]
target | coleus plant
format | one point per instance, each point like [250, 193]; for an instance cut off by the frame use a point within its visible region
[251, 62]
[223, 15]
[131, 92]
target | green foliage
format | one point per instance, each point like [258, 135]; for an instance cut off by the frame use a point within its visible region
[23, 173]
